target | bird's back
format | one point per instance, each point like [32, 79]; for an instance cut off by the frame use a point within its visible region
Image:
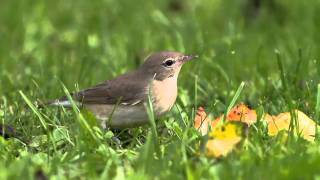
[129, 88]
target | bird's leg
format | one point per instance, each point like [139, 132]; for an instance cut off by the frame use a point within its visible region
[114, 138]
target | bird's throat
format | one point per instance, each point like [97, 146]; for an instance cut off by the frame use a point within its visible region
[164, 94]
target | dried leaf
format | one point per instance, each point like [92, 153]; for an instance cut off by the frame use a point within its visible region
[201, 121]
[241, 113]
[306, 126]
[223, 139]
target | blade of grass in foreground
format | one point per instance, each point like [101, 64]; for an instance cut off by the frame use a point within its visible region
[151, 117]
[287, 97]
[317, 111]
[34, 109]
[234, 99]
[195, 96]
[318, 104]
[41, 118]
[146, 157]
[80, 117]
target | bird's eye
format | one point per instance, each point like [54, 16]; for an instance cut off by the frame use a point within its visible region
[168, 62]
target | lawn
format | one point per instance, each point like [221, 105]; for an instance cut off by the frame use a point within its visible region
[273, 46]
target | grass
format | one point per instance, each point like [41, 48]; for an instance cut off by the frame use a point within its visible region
[274, 48]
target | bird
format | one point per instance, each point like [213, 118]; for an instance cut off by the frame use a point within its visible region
[121, 102]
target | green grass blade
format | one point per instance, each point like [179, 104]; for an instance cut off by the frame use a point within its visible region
[195, 93]
[318, 104]
[80, 117]
[151, 117]
[40, 117]
[34, 109]
[282, 73]
[235, 98]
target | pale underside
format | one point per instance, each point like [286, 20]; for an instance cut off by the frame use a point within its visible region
[121, 116]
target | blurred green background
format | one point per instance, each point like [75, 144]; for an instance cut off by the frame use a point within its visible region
[52, 41]
[81, 43]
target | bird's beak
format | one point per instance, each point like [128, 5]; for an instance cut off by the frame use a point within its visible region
[188, 58]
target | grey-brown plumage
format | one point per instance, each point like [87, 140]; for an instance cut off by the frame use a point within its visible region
[125, 89]
[158, 75]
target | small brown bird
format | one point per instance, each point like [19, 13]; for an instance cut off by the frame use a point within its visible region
[123, 98]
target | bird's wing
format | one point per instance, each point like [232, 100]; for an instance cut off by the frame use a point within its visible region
[126, 90]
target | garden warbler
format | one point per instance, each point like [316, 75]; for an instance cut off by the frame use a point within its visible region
[121, 102]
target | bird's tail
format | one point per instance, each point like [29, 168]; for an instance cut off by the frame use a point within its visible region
[64, 102]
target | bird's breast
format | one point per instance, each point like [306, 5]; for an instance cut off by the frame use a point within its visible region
[164, 94]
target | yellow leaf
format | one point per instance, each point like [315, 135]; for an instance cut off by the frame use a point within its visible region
[306, 126]
[223, 139]
[218, 148]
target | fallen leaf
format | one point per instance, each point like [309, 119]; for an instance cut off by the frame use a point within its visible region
[223, 139]
[306, 126]
[241, 113]
[201, 121]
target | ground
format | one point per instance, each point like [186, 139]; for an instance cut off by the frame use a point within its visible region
[271, 46]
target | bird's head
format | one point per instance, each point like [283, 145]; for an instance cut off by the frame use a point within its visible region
[166, 64]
